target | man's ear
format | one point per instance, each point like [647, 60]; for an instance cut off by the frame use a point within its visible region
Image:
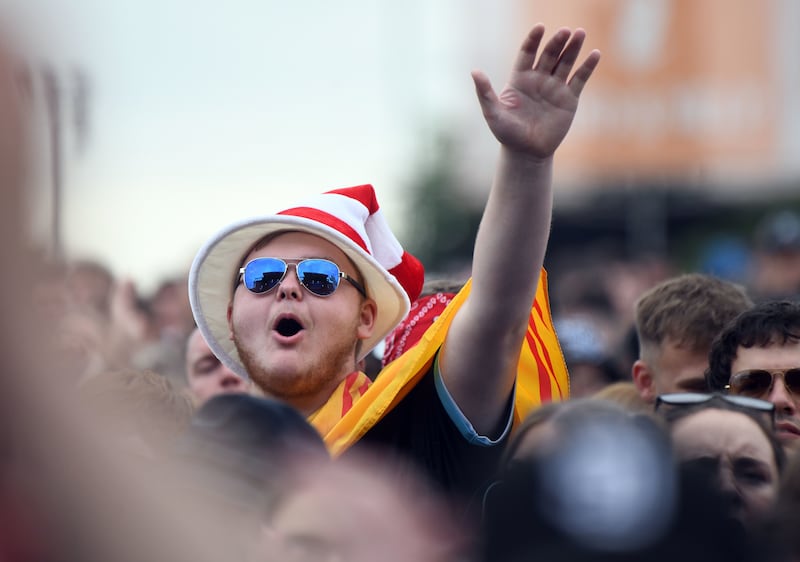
[366, 324]
[230, 320]
[644, 379]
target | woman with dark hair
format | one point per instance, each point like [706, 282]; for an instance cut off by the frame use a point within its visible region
[730, 440]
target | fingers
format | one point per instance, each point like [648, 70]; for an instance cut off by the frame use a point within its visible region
[569, 55]
[583, 73]
[551, 53]
[558, 56]
[527, 53]
[486, 95]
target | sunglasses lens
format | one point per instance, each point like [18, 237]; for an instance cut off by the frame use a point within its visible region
[792, 378]
[263, 274]
[752, 383]
[320, 277]
[683, 398]
[752, 403]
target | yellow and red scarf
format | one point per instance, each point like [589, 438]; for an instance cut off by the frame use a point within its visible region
[356, 406]
[351, 389]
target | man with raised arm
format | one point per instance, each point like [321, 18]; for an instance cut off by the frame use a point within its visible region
[293, 300]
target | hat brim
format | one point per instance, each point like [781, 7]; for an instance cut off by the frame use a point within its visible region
[216, 267]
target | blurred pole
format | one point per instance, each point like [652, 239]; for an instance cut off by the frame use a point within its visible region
[80, 108]
[51, 92]
[646, 222]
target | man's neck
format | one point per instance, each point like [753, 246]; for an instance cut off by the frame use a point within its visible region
[309, 404]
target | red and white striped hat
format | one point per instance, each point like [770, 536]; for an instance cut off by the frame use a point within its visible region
[349, 218]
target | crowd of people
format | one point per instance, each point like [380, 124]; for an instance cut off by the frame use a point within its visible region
[242, 413]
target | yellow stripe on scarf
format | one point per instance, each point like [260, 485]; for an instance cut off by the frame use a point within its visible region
[542, 375]
[349, 392]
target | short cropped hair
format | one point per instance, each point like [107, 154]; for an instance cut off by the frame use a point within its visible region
[768, 323]
[690, 310]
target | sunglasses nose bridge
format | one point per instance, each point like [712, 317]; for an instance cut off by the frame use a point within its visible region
[780, 380]
[290, 284]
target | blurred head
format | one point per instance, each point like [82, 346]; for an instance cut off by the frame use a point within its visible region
[778, 232]
[234, 460]
[600, 486]
[545, 427]
[755, 356]
[239, 450]
[587, 354]
[206, 374]
[626, 395]
[605, 486]
[354, 510]
[81, 344]
[676, 321]
[90, 285]
[734, 447]
[776, 273]
[141, 409]
[170, 310]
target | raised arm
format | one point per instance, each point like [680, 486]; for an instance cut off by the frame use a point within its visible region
[530, 117]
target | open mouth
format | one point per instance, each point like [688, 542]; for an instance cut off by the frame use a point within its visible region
[288, 327]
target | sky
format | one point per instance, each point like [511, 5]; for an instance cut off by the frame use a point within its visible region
[202, 113]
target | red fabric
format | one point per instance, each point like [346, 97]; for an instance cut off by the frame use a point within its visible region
[424, 311]
[364, 194]
[328, 220]
[410, 274]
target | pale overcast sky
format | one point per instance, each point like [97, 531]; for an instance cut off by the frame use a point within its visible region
[204, 113]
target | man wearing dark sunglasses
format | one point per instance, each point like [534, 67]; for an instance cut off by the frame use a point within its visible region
[758, 355]
[294, 300]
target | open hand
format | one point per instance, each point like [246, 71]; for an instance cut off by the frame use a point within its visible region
[535, 109]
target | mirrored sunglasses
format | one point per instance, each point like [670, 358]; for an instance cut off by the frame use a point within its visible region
[318, 276]
[691, 398]
[667, 402]
[759, 382]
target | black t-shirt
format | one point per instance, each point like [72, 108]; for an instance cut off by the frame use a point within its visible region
[420, 430]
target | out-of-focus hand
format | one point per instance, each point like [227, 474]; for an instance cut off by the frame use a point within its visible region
[127, 319]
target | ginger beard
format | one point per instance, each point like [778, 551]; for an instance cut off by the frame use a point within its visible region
[326, 369]
[303, 370]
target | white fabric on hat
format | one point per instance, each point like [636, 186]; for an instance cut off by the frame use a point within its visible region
[214, 271]
[387, 250]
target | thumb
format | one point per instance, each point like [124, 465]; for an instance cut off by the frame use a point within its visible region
[486, 95]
